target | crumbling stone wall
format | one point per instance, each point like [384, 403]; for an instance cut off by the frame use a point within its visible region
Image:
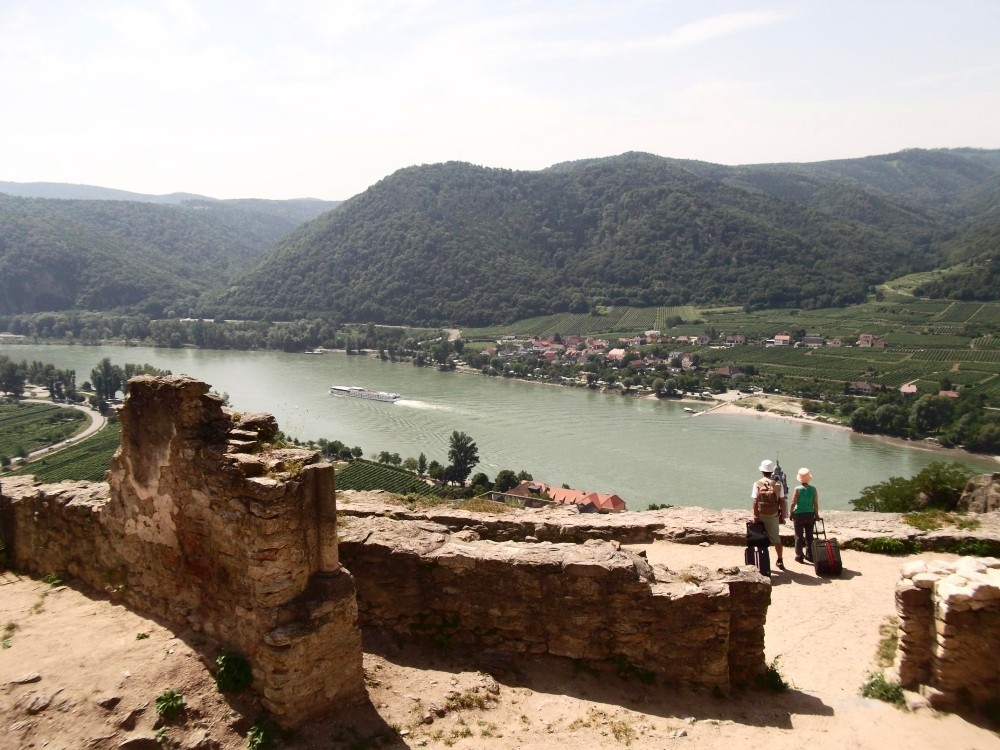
[203, 525]
[594, 602]
[949, 631]
[206, 525]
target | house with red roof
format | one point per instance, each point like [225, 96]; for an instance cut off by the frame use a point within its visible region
[585, 502]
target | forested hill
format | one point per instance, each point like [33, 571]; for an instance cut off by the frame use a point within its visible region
[457, 243]
[132, 256]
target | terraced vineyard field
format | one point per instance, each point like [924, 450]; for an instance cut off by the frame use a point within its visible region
[26, 427]
[366, 475]
[87, 460]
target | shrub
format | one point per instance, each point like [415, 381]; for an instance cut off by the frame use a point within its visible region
[973, 547]
[939, 486]
[262, 735]
[879, 688]
[169, 704]
[883, 545]
[771, 678]
[234, 674]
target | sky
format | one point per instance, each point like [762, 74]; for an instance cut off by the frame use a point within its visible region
[323, 98]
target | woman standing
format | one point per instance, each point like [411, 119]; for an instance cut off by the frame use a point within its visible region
[805, 513]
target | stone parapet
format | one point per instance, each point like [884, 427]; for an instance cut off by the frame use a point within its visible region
[949, 631]
[594, 602]
[209, 526]
[682, 525]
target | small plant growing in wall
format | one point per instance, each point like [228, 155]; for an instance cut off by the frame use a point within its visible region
[169, 704]
[234, 674]
[262, 735]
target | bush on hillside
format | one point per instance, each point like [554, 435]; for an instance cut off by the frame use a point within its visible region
[940, 486]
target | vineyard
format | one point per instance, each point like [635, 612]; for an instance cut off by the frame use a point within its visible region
[611, 320]
[87, 460]
[26, 427]
[366, 475]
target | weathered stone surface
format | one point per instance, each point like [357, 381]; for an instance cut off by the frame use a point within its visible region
[981, 494]
[949, 633]
[685, 525]
[594, 601]
[235, 545]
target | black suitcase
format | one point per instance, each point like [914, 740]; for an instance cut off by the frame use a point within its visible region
[756, 553]
[825, 552]
[760, 558]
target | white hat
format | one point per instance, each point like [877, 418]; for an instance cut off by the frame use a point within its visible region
[767, 466]
[804, 475]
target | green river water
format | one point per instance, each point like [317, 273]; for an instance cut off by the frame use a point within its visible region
[644, 450]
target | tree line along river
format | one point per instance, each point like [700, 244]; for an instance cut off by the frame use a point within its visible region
[645, 450]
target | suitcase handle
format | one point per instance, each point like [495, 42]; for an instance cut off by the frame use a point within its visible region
[819, 527]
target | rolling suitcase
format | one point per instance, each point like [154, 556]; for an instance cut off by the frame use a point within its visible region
[756, 553]
[760, 558]
[825, 552]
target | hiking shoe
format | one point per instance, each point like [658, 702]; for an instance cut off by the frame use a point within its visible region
[799, 559]
[780, 563]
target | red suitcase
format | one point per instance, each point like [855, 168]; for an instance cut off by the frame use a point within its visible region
[825, 552]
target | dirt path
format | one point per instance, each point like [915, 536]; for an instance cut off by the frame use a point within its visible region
[83, 672]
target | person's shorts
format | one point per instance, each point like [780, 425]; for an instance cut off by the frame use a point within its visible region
[771, 527]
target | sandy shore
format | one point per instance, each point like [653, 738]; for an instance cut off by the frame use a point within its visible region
[790, 409]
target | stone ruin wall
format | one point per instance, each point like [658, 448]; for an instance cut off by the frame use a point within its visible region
[593, 602]
[204, 526]
[949, 632]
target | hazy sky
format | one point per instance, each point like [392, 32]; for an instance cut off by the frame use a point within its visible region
[322, 98]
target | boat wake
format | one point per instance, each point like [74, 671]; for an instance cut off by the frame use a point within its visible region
[413, 404]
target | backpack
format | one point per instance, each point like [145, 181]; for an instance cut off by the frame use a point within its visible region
[767, 498]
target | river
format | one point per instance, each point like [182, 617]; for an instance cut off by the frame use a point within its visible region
[644, 450]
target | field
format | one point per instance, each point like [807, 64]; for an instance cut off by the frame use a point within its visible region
[26, 427]
[365, 475]
[88, 460]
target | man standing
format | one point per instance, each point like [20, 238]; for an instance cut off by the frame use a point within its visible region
[769, 506]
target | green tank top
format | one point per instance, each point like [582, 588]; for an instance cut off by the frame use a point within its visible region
[806, 502]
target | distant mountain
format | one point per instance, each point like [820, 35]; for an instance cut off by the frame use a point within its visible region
[129, 255]
[65, 191]
[301, 208]
[456, 243]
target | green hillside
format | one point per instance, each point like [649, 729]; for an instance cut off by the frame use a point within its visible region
[127, 255]
[461, 244]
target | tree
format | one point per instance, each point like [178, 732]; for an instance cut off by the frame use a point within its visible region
[863, 420]
[506, 480]
[422, 465]
[463, 454]
[107, 379]
[12, 378]
[931, 413]
[479, 479]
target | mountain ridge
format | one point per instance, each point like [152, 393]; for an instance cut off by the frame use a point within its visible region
[631, 229]
[456, 243]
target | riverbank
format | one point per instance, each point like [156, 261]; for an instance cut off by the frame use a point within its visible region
[790, 409]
